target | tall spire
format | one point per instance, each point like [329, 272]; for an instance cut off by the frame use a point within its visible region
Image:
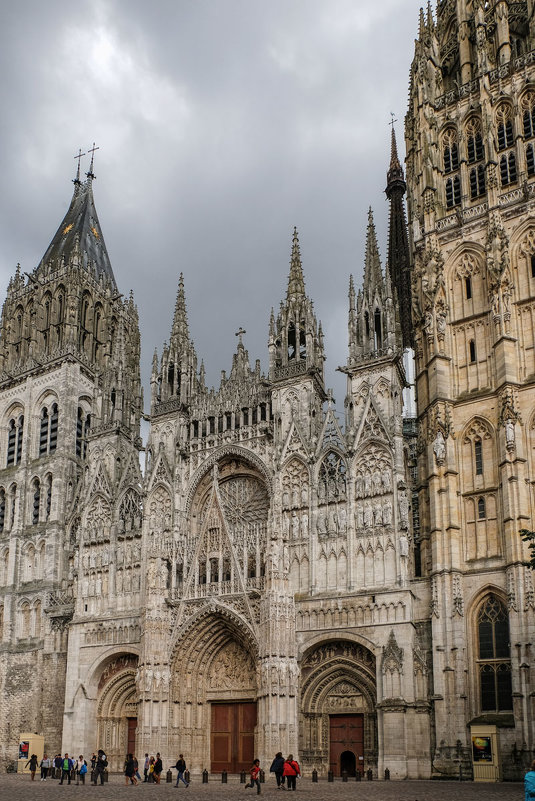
[398, 258]
[373, 275]
[296, 282]
[180, 328]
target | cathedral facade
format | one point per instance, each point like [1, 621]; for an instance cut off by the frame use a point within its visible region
[272, 579]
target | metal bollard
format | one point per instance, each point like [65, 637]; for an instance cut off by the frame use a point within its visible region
[369, 774]
[262, 777]
[187, 777]
[242, 777]
[169, 777]
[106, 775]
[315, 776]
[358, 777]
[330, 776]
[387, 775]
[344, 775]
[205, 776]
[224, 777]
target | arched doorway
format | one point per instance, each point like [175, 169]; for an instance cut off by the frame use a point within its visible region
[214, 690]
[348, 763]
[338, 701]
[117, 709]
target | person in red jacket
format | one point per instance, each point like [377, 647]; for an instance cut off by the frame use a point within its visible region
[291, 772]
[255, 776]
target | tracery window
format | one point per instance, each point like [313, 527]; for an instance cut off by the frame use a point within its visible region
[450, 151]
[478, 455]
[474, 141]
[333, 477]
[12, 505]
[477, 181]
[453, 192]
[508, 169]
[494, 659]
[48, 432]
[14, 440]
[481, 513]
[505, 127]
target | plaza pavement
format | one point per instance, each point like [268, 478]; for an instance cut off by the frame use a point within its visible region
[17, 787]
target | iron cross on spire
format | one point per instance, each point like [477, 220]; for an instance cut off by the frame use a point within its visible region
[239, 334]
[79, 156]
[392, 120]
[91, 150]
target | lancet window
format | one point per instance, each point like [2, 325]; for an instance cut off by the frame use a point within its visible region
[83, 424]
[36, 500]
[494, 659]
[14, 440]
[48, 432]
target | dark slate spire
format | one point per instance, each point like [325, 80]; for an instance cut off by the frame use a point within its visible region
[80, 234]
[398, 259]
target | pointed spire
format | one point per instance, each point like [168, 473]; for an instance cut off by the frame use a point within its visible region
[76, 181]
[90, 174]
[351, 294]
[373, 275]
[180, 321]
[430, 20]
[421, 26]
[296, 282]
[394, 175]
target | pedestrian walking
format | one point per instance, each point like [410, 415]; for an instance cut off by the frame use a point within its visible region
[58, 762]
[45, 767]
[158, 767]
[277, 767]
[66, 768]
[291, 772]
[81, 769]
[32, 762]
[181, 769]
[255, 776]
[130, 770]
[136, 769]
[100, 766]
[146, 766]
[529, 783]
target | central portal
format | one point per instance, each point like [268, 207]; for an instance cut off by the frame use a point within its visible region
[232, 736]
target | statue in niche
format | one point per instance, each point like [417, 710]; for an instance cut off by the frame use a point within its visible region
[285, 499]
[403, 546]
[358, 487]
[367, 484]
[342, 519]
[304, 525]
[387, 480]
[333, 522]
[295, 526]
[322, 524]
[295, 497]
[439, 447]
[304, 496]
[377, 515]
[359, 516]
[376, 481]
[387, 513]
[368, 515]
[509, 433]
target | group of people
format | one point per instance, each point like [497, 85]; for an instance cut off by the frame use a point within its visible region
[66, 767]
[152, 769]
[285, 770]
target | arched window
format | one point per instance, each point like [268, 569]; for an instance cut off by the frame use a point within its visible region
[468, 286]
[378, 334]
[505, 127]
[14, 440]
[48, 496]
[450, 151]
[36, 494]
[478, 457]
[530, 160]
[472, 347]
[292, 344]
[508, 169]
[83, 424]
[48, 430]
[528, 116]
[12, 505]
[453, 192]
[481, 513]
[477, 181]
[2, 508]
[25, 620]
[494, 662]
[302, 341]
[474, 141]
[332, 478]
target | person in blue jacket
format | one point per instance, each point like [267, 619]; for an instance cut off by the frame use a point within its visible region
[529, 783]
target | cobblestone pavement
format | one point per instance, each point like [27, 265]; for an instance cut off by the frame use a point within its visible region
[15, 787]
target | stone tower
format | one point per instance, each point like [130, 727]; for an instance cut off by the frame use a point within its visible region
[69, 389]
[470, 135]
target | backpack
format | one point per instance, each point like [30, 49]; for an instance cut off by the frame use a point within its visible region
[83, 769]
[105, 763]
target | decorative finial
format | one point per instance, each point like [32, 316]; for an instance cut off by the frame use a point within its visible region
[76, 180]
[239, 334]
[91, 150]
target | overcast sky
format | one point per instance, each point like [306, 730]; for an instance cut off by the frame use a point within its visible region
[221, 124]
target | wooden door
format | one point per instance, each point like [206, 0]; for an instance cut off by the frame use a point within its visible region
[232, 736]
[346, 740]
[132, 728]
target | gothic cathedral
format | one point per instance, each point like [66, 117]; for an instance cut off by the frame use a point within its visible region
[272, 580]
